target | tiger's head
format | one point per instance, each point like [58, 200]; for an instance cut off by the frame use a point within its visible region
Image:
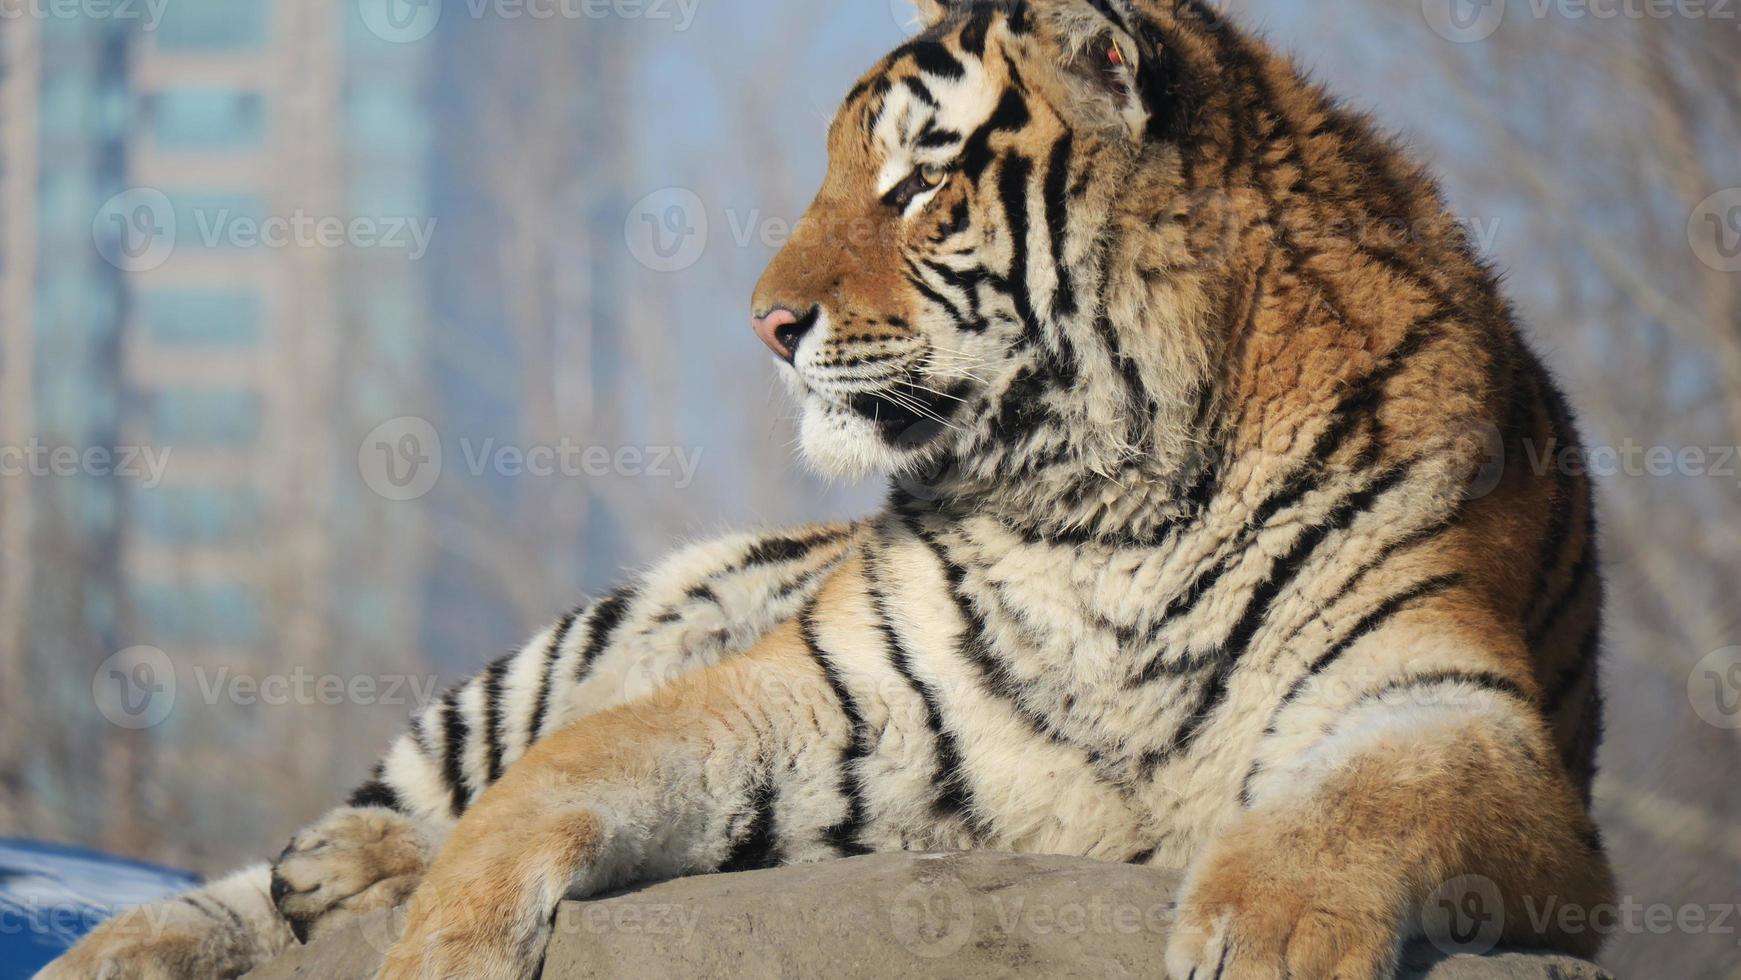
[965, 293]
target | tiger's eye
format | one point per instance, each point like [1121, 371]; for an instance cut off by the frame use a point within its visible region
[933, 174]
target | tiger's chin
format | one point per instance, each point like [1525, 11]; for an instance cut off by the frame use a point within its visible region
[840, 444]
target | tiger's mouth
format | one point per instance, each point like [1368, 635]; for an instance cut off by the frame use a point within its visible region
[908, 414]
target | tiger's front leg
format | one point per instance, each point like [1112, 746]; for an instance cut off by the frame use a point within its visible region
[691, 779]
[1429, 801]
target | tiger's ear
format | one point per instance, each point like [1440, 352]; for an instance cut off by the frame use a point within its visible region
[1103, 63]
[932, 12]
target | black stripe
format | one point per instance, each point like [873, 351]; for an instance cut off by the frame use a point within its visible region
[954, 796]
[1476, 678]
[1232, 650]
[1580, 576]
[552, 654]
[961, 320]
[1136, 393]
[1550, 558]
[1569, 679]
[1058, 224]
[758, 846]
[1430, 532]
[878, 85]
[780, 549]
[842, 836]
[920, 92]
[1282, 573]
[932, 58]
[976, 154]
[1366, 626]
[1307, 476]
[454, 733]
[492, 694]
[1012, 185]
[609, 615]
[376, 792]
[934, 138]
[973, 36]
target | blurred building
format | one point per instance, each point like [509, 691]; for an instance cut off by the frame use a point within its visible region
[163, 316]
[19, 53]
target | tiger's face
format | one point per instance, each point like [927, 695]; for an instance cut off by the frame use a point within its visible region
[972, 179]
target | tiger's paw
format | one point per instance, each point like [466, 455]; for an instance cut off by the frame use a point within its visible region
[158, 942]
[353, 861]
[222, 930]
[1265, 915]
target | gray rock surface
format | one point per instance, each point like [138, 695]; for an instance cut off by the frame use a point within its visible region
[961, 916]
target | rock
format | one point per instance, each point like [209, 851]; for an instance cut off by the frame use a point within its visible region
[961, 916]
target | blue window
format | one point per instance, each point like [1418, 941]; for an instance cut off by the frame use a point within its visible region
[202, 318]
[184, 615]
[217, 220]
[216, 417]
[207, 120]
[213, 25]
[194, 515]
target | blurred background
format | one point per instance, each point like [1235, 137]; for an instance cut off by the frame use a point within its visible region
[345, 342]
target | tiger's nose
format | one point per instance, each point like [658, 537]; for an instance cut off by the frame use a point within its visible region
[781, 329]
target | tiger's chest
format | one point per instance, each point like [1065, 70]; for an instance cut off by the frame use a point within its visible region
[1084, 670]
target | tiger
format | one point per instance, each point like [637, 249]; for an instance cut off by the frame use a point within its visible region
[1200, 552]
